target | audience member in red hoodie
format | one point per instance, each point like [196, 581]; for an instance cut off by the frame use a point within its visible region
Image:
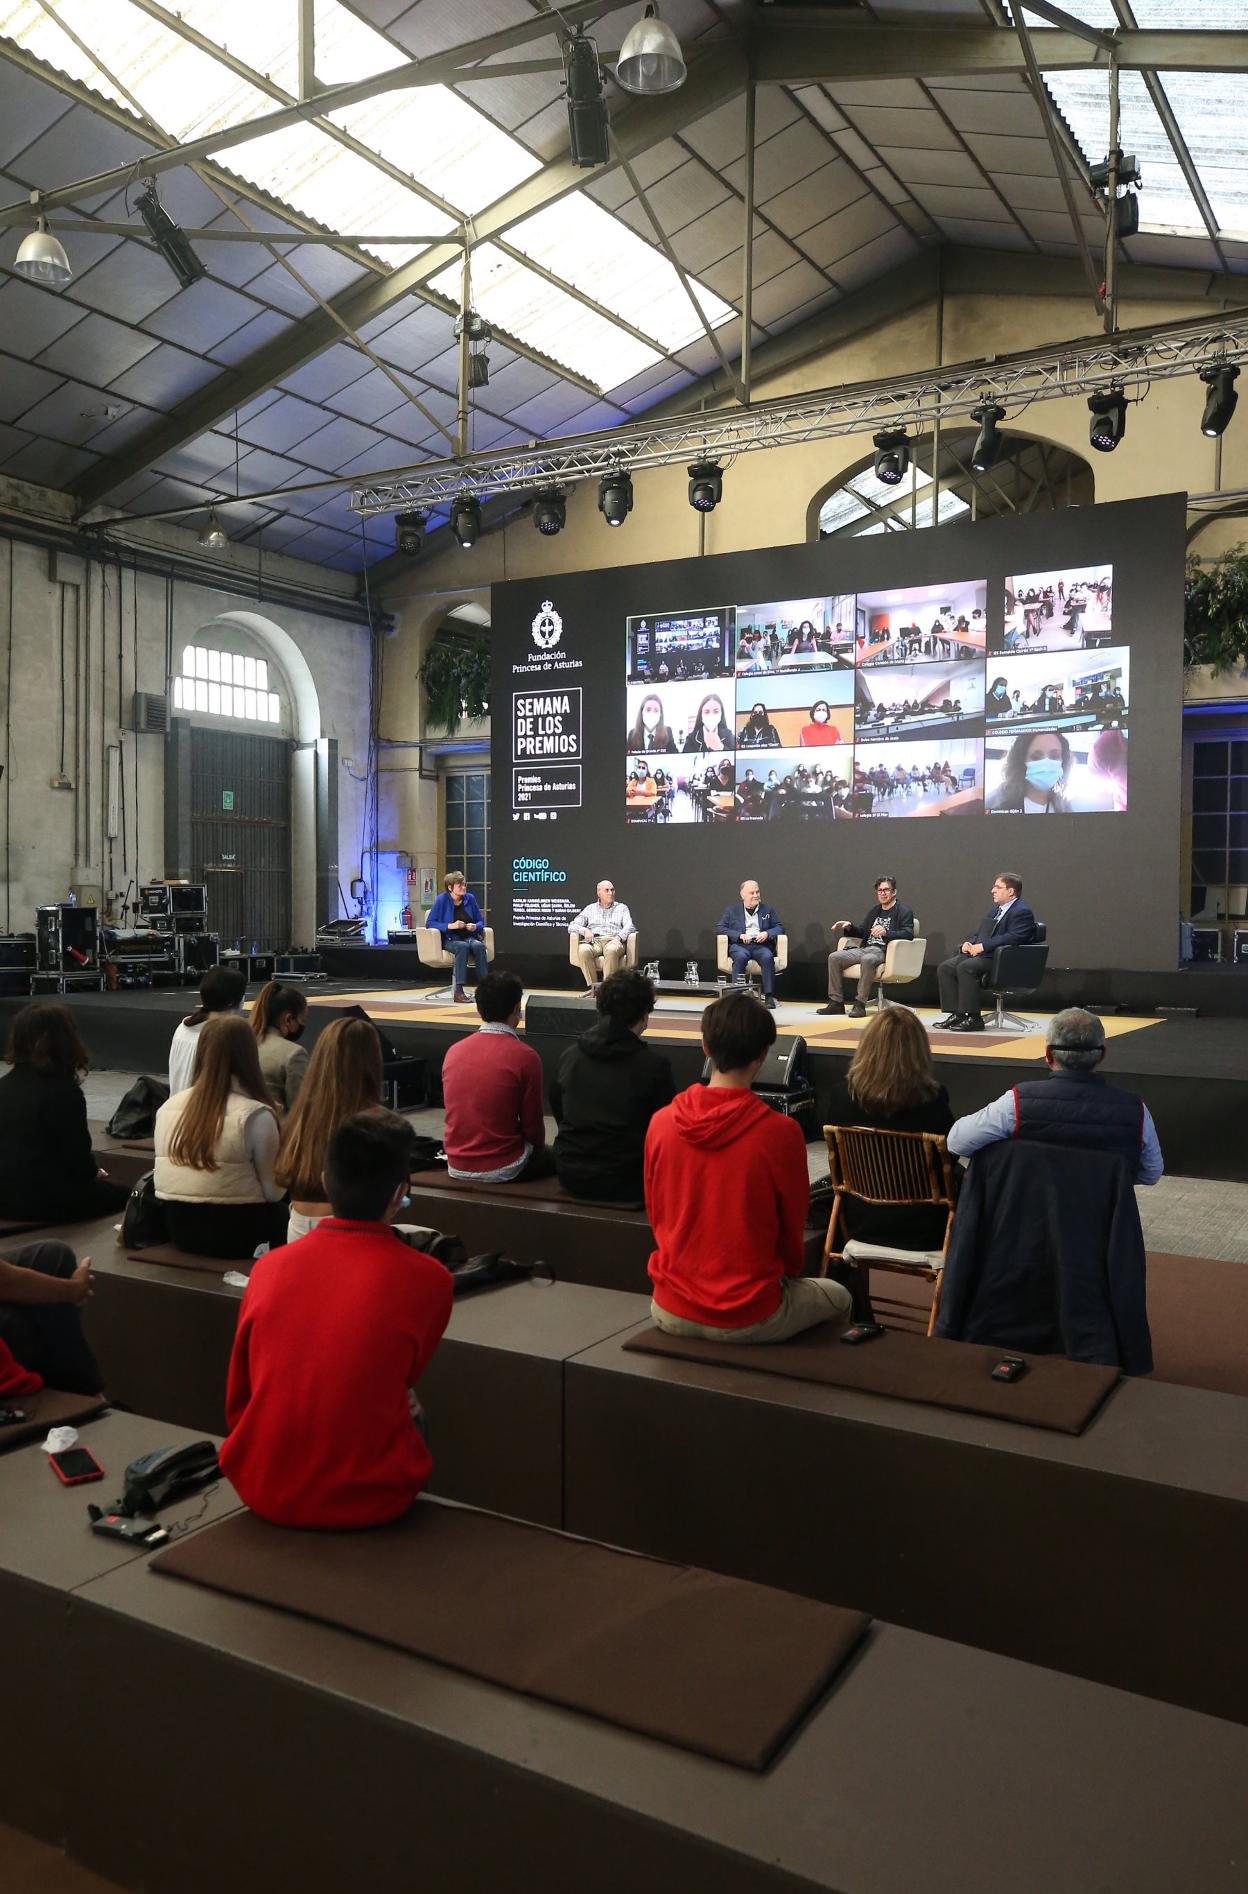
[727, 1191]
[334, 1333]
[492, 1089]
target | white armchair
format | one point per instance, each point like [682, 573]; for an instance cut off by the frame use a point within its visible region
[724, 962]
[902, 962]
[438, 958]
[575, 943]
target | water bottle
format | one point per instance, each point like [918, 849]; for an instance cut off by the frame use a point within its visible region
[691, 973]
[652, 969]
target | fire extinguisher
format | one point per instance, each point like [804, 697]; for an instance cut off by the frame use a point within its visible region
[406, 917]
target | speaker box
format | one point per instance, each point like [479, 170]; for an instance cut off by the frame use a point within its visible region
[558, 1016]
[786, 1068]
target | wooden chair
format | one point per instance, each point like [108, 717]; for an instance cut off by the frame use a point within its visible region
[438, 959]
[887, 1167]
[574, 954]
[903, 962]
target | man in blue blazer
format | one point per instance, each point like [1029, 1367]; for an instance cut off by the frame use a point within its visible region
[1008, 923]
[753, 929]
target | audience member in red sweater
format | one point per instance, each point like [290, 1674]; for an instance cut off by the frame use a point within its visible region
[334, 1333]
[727, 1191]
[492, 1089]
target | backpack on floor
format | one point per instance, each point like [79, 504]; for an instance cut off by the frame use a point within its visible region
[135, 1116]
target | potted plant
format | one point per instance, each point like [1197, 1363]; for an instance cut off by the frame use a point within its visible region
[456, 678]
[1215, 611]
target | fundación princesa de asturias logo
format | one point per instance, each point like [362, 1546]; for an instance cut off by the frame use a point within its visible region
[547, 626]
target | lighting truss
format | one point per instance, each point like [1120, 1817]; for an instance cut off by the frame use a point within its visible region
[1131, 359]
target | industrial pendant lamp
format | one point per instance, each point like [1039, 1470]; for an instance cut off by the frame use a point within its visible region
[650, 61]
[41, 258]
[212, 533]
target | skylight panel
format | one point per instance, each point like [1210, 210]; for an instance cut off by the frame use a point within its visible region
[1212, 113]
[516, 299]
[583, 244]
[839, 510]
[1209, 16]
[868, 487]
[1083, 100]
[439, 138]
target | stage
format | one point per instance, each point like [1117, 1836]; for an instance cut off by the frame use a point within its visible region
[1192, 1072]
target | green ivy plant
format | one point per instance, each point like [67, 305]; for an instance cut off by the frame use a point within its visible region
[1215, 611]
[456, 678]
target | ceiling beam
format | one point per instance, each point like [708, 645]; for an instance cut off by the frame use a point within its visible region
[721, 74]
[412, 72]
[797, 54]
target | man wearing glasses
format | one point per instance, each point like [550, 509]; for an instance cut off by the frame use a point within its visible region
[887, 920]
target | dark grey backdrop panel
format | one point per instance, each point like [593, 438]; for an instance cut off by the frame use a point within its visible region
[242, 853]
[1106, 884]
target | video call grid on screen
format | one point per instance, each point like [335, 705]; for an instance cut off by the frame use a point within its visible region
[910, 701]
[1076, 654]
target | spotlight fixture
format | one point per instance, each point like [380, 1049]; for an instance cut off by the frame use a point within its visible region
[706, 485]
[41, 258]
[550, 511]
[1109, 420]
[1221, 400]
[650, 60]
[892, 456]
[479, 333]
[615, 496]
[409, 532]
[212, 533]
[170, 238]
[1119, 168]
[466, 519]
[587, 109]
[988, 447]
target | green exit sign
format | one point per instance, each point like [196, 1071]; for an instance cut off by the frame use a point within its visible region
[227, 798]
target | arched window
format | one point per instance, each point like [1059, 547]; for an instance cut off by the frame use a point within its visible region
[225, 676]
[1029, 476]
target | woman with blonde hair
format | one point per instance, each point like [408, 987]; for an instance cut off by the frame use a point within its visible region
[278, 1017]
[215, 1149]
[344, 1077]
[891, 1085]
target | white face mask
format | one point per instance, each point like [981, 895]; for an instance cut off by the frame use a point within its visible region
[650, 717]
[1044, 772]
[820, 715]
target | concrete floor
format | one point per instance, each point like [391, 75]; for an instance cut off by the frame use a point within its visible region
[1184, 1216]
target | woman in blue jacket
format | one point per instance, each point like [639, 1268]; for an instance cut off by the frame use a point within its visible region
[457, 918]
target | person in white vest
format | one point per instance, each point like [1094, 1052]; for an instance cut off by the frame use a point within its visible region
[216, 1145]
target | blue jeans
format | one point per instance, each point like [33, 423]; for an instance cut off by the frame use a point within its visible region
[740, 955]
[461, 948]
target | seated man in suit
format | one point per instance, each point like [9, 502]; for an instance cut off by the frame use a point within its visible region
[1072, 1104]
[1010, 923]
[753, 929]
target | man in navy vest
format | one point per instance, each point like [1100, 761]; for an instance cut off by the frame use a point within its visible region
[1072, 1105]
[1008, 923]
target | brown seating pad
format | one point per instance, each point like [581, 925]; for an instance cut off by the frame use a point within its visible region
[139, 1144]
[540, 1189]
[711, 1664]
[182, 1259]
[1055, 1393]
[51, 1407]
[18, 1226]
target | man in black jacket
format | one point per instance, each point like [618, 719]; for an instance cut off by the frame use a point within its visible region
[608, 1088]
[887, 920]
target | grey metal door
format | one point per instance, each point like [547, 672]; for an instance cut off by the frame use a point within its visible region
[240, 834]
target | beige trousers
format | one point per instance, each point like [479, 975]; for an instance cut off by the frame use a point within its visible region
[613, 952]
[805, 1301]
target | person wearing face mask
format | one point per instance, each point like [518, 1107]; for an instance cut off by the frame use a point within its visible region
[820, 729]
[710, 730]
[1034, 778]
[758, 731]
[1008, 923]
[998, 702]
[278, 1019]
[650, 732]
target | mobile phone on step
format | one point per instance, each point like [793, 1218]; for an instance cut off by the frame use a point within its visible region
[862, 1332]
[76, 1467]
